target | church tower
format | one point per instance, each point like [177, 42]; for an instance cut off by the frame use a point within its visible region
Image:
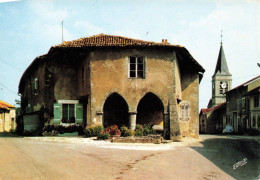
[221, 79]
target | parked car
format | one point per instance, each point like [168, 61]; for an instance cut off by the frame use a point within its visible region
[228, 129]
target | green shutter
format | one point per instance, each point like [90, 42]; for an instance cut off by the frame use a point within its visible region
[79, 113]
[57, 113]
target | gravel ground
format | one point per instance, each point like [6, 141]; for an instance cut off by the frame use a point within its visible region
[108, 144]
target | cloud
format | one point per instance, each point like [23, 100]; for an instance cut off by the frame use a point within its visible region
[3, 1]
[88, 28]
[46, 11]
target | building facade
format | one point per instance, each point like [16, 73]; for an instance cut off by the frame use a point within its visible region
[243, 106]
[7, 117]
[107, 79]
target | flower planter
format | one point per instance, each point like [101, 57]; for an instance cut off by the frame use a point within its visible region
[115, 136]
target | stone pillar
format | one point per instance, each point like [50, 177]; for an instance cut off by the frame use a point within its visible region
[99, 118]
[175, 133]
[132, 122]
[166, 123]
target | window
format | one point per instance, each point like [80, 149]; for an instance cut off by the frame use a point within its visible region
[68, 113]
[256, 101]
[185, 111]
[258, 121]
[35, 86]
[136, 67]
[254, 123]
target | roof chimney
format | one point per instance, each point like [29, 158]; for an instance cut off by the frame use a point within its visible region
[162, 40]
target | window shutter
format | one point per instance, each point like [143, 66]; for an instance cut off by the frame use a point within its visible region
[189, 109]
[57, 113]
[79, 113]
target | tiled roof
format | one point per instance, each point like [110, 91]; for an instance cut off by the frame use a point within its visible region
[5, 105]
[205, 110]
[244, 83]
[103, 40]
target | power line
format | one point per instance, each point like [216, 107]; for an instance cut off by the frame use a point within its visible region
[10, 65]
[8, 89]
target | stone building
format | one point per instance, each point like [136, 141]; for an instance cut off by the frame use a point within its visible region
[105, 79]
[7, 117]
[211, 119]
[243, 110]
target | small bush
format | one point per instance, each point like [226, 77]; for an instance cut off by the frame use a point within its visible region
[103, 135]
[94, 130]
[113, 130]
[125, 132]
[139, 132]
[130, 132]
[138, 126]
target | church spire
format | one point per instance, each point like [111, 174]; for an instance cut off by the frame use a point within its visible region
[221, 67]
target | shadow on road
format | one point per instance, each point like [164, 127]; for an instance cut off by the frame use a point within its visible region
[9, 135]
[226, 152]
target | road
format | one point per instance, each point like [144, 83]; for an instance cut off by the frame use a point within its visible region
[213, 158]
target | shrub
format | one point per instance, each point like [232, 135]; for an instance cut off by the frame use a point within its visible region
[113, 130]
[139, 132]
[144, 130]
[103, 135]
[89, 132]
[93, 130]
[125, 132]
[138, 126]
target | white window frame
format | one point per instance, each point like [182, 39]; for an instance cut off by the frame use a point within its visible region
[136, 67]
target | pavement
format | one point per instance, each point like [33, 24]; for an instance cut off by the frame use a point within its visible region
[127, 146]
[210, 157]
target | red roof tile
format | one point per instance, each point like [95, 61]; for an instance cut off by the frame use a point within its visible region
[205, 110]
[103, 40]
[5, 105]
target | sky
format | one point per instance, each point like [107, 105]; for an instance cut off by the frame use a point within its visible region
[28, 28]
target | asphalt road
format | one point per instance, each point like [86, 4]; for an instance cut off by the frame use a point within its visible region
[213, 158]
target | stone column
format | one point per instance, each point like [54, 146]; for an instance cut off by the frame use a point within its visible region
[175, 132]
[132, 122]
[99, 118]
[166, 123]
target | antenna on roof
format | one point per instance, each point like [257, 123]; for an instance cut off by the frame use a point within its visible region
[221, 36]
[62, 31]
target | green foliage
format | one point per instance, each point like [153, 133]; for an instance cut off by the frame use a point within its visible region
[103, 135]
[94, 130]
[125, 132]
[138, 126]
[139, 132]
[144, 130]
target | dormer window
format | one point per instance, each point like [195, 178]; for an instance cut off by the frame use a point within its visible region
[136, 67]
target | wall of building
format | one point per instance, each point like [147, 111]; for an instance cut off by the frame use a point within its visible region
[190, 93]
[109, 74]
